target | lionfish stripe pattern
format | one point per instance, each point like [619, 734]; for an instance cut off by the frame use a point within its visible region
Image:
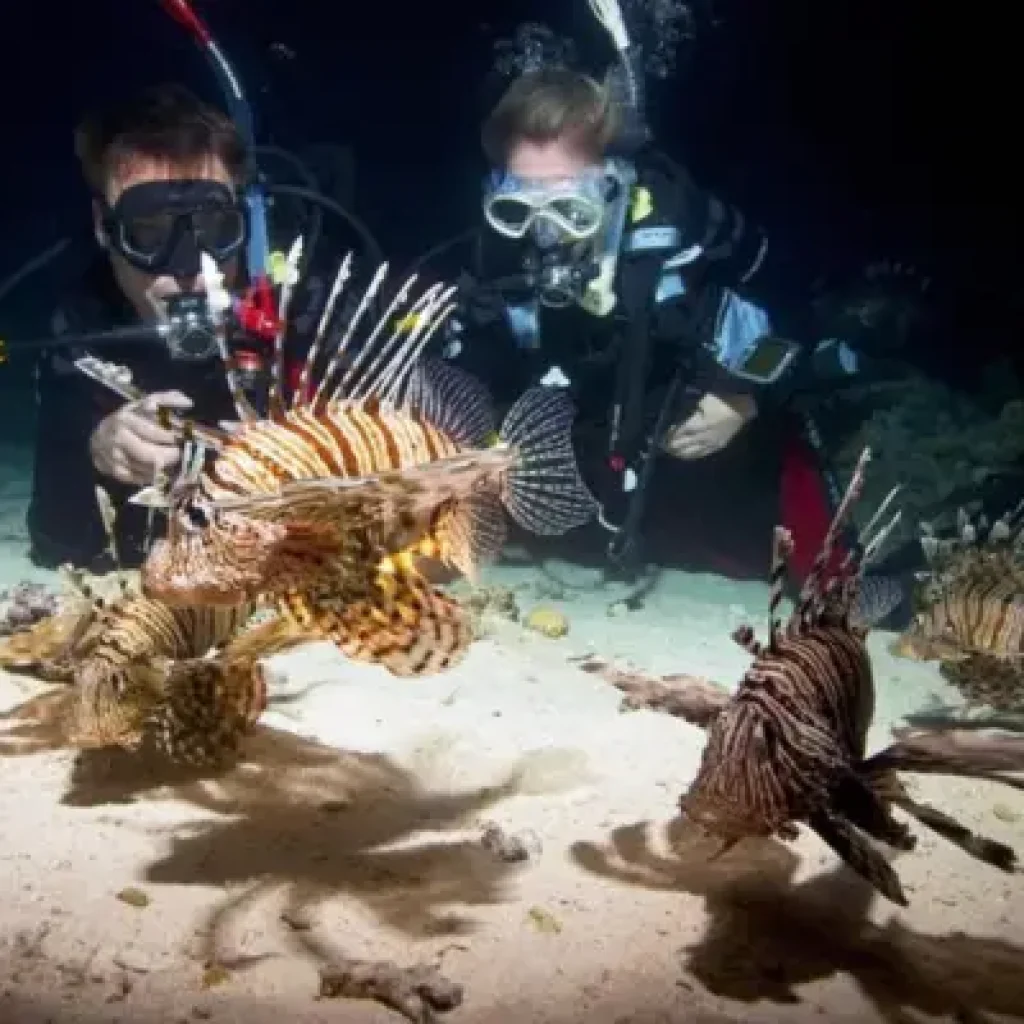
[790, 745]
[972, 614]
[133, 664]
[380, 457]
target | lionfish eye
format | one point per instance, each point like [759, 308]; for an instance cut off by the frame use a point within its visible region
[197, 517]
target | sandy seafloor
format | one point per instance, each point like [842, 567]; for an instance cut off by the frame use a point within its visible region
[354, 828]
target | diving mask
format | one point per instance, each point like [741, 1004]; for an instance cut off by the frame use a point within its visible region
[552, 211]
[161, 227]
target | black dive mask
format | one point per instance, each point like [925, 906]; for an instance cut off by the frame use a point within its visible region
[161, 227]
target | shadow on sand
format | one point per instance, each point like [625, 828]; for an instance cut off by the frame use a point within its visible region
[766, 935]
[310, 822]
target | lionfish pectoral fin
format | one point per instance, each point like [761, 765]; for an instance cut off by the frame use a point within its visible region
[261, 641]
[403, 624]
[39, 645]
[208, 707]
[543, 491]
[453, 401]
[856, 851]
[471, 533]
[860, 805]
[981, 848]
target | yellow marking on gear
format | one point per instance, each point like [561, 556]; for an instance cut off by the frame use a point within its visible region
[641, 204]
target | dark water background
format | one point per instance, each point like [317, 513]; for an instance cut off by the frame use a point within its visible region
[859, 129]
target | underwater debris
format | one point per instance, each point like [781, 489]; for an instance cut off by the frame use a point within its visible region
[487, 605]
[25, 604]
[547, 621]
[971, 609]
[694, 699]
[508, 847]
[417, 993]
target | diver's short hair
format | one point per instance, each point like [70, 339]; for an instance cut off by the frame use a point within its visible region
[548, 106]
[164, 122]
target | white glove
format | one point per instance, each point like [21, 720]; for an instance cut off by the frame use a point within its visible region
[715, 422]
[130, 446]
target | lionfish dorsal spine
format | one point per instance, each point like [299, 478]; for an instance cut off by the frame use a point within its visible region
[813, 593]
[782, 547]
[336, 360]
[393, 379]
[275, 397]
[341, 279]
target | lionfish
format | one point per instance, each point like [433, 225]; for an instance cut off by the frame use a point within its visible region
[323, 507]
[971, 613]
[790, 745]
[139, 673]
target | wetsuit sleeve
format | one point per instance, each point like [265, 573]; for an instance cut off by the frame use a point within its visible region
[63, 520]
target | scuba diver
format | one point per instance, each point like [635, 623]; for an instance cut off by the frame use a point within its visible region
[173, 181]
[165, 171]
[603, 267]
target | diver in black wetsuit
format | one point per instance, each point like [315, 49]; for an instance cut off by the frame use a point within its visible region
[622, 279]
[675, 321]
[164, 170]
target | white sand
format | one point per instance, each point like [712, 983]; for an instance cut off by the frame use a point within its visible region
[373, 838]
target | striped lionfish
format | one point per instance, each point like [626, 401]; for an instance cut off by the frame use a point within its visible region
[971, 610]
[139, 674]
[323, 507]
[790, 745]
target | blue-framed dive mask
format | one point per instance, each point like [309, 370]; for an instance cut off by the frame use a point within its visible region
[550, 211]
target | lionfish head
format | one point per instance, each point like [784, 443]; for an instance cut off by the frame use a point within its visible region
[928, 638]
[209, 556]
[719, 816]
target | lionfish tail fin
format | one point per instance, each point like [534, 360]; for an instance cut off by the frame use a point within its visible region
[544, 492]
[404, 625]
[208, 707]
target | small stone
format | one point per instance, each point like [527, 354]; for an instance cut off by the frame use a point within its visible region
[215, 974]
[1005, 813]
[134, 897]
[544, 921]
[335, 806]
[547, 621]
[298, 919]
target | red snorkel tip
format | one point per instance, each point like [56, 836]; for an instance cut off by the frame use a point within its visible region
[183, 14]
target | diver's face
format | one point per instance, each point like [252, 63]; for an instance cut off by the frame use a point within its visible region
[148, 293]
[548, 161]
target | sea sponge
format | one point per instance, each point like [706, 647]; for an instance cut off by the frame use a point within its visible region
[547, 621]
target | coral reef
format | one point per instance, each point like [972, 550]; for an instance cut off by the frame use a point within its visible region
[25, 604]
[940, 446]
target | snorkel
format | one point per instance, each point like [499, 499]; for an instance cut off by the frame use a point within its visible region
[255, 312]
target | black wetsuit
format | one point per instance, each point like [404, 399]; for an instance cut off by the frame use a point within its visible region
[714, 513]
[63, 518]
